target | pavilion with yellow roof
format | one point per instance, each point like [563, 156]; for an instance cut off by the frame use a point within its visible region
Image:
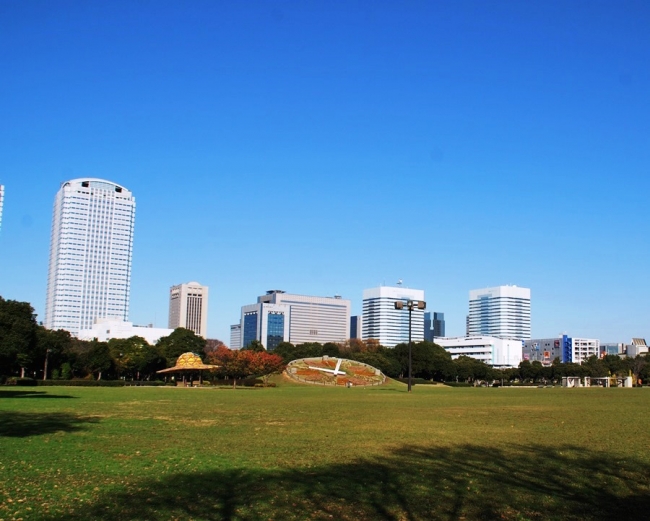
[186, 364]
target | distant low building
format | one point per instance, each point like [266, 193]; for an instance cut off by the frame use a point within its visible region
[567, 349]
[497, 352]
[636, 348]
[105, 329]
[612, 348]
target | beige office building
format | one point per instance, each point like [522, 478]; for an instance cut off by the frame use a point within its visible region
[295, 318]
[188, 308]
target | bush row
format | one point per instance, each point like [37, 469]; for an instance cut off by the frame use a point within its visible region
[20, 381]
[418, 381]
[96, 383]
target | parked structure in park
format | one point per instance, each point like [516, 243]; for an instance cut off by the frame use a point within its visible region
[597, 381]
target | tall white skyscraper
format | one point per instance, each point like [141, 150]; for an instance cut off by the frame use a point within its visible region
[503, 311]
[90, 254]
[188, 308]
[381, 321]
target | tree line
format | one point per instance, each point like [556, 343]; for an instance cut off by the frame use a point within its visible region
[28, 349]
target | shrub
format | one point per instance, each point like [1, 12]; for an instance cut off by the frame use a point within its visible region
[414, 381]
[144, 383]
[82, 383]
[458, 384]
[21, 381]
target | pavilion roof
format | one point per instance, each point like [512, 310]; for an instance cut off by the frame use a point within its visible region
[188, 362]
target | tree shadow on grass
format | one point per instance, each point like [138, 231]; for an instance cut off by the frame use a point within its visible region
[31, 394]
[413, 483]
[16, 424]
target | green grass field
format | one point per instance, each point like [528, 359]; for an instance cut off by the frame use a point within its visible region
[295, 452]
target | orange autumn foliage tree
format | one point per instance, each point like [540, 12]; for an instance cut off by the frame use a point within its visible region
[241, 364]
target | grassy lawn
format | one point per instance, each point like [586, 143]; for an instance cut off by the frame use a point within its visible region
[298, 452]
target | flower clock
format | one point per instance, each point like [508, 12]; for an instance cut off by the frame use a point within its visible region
[333, 371]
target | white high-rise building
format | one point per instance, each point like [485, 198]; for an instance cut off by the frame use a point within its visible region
[188, 307]
[390, 326]
[503, 311]
[91, 248]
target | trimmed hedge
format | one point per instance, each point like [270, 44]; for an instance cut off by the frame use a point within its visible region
[459, 384]
[145, 383]
[99, 383]
[418, 381]
[81, 383]
[29, 382]
[244, 382]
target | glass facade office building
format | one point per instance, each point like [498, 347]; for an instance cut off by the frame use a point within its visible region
[279, 316]
[502, 311]
[434, 325]
[266, 323]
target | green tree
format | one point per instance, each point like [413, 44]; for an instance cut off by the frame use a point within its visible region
[386, 362]
[428, 360]
[596, 366]
[98, 358]
[180, 341]
[53, 347]
[615, 365]
[331, 349]
[18, 341]
[254, 345]
[128, 355]
[151, 360]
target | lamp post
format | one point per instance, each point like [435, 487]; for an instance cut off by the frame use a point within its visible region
[410, 304]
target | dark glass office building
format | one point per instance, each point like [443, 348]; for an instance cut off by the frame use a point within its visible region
[434, 325]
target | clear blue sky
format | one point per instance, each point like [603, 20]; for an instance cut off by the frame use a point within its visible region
[327, 147]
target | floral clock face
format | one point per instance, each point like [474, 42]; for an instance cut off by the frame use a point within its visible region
[333, 371]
